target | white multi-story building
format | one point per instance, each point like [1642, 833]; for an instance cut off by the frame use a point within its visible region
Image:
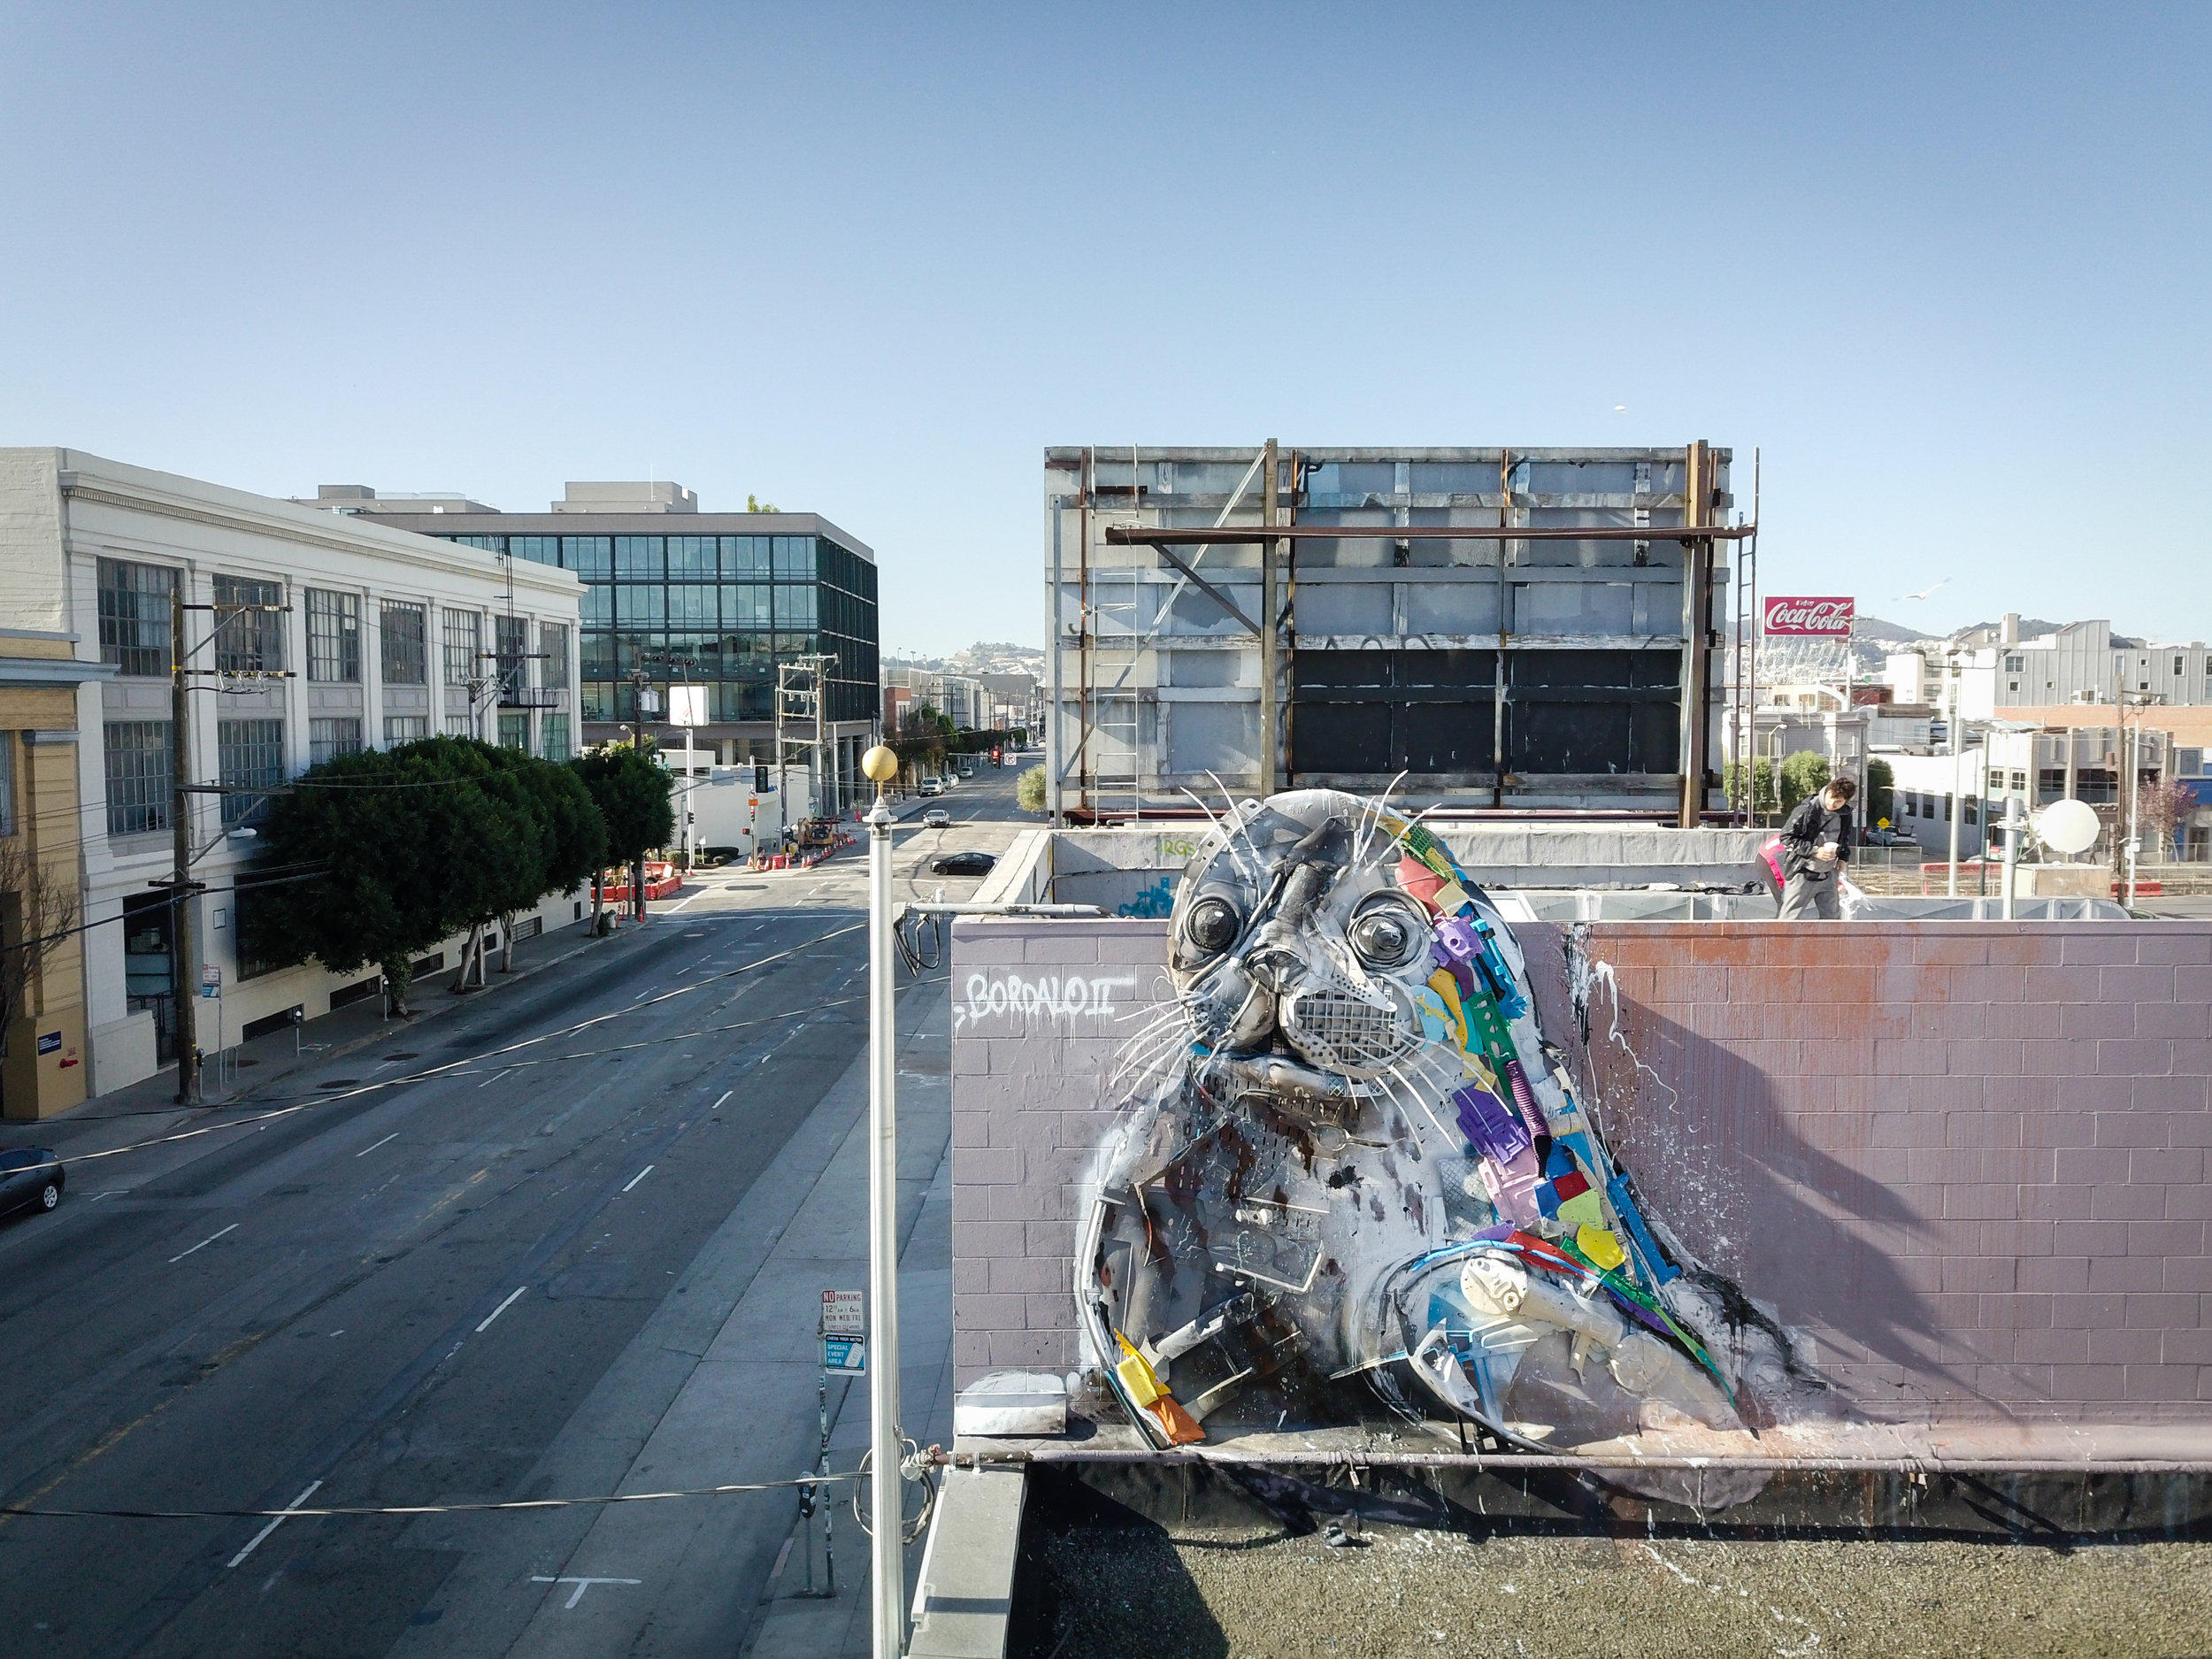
[386, 636]
[2081, 662]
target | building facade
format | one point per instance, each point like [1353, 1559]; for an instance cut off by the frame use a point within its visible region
[674, 596]
[382, 636]
[1545, 671]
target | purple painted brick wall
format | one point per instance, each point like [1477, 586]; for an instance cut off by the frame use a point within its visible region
[1969, 1159]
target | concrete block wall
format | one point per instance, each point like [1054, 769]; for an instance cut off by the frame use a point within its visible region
[1965, 1159]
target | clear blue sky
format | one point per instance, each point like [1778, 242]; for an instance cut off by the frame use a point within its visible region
[1948, 266]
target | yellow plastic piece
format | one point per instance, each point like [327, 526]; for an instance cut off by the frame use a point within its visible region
[1450, 897]
[1138, 1378]
[1582, 1210]
[1600, 1246]
[1445, 987]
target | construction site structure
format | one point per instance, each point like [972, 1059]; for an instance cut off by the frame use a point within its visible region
[802, 738]
[1482, 629]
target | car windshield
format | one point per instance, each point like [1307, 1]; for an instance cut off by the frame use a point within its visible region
[20, 1160]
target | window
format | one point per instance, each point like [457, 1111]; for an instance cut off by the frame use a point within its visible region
[460, 725]
[794, 609]
[553, 646]
[590, 557]
[746, 555]
[638, 558]
[514, 731]
[512, 635]
[333, 637]
[327, 739]
[598, 607]
[794, 556]
[690, 555]
[539, 549]
[2050, 782]
[640, 607]
[690, 607]
[248, 754]
[406, 659]
[464, 639]
[489, 543]
[2180, 664]
[134, 619]
[405, 728]
[553, 731]
[746, 607]
[138, 776]
[7, 783]
[2016, 665]
[248, 642]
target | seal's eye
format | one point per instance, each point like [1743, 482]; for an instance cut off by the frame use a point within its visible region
[1212, 924]
[1385, 937]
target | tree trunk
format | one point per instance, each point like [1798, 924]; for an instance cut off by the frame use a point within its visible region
[507, 944]
[637, 887]
[398, 976]
[599, 905]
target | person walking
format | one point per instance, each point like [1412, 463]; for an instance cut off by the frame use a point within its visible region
[1816, 843]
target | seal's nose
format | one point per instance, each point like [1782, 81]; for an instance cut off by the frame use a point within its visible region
[1274, 967]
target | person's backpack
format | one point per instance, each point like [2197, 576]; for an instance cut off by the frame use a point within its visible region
[1770, 873]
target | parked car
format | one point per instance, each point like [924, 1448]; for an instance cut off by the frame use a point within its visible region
[30, 1179]
[936, 818]
[931, 786]
[967, 769]
[1880, 837]
[963, 865]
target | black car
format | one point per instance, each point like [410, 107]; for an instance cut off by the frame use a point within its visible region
[963, 865]
[31, 1178]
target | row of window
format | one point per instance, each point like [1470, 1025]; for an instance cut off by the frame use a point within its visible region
[249, 756]
[134, 612]
[651, 558]
[692, 604]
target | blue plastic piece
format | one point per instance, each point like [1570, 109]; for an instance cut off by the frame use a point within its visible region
[1511, 1003]
[1656, 1266]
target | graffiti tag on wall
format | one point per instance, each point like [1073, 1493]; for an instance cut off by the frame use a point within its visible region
[1059, 998]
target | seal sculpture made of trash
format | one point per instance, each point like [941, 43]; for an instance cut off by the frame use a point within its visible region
[1349, 1179]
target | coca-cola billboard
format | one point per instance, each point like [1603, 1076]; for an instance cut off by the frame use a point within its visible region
[1820, 618]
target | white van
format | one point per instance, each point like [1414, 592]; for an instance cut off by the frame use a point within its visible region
[932, 786]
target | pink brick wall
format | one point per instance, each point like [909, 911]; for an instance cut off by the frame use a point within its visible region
[1967, 1158]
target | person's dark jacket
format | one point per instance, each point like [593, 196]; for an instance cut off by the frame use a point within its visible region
[1810, 825]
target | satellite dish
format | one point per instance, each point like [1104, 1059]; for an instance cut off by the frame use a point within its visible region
[2067, 827]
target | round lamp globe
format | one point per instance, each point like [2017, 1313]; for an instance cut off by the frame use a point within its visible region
[879, 764]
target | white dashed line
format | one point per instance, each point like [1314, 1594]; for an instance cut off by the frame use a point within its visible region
[718, 1105]
[388, 1140]
[640, 1175]
[202, 1244]
[274, 1522]
[495, 1312]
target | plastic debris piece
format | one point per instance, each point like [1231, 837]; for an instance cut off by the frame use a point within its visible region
[1419, 879]
[1656, 1267]
[1513, 1183]
[1603, 1250]
[1138, 1379]
[1491, 1127]
[1582, 1210]
[1453, 900]
[1457, 947]
[1179, 1427]
[1492, 964]
[1442, 983]
[1524, 1096]
[1561, 1161]
[1547, 1200]
[1571, 1185]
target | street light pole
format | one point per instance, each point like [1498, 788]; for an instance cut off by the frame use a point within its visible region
[184, 945]
[1955, 676]
[887, 1499]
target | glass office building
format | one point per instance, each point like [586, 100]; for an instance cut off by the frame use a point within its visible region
[719, 610]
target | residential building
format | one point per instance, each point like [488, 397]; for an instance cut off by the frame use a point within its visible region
[383, 636]
[2004, 666]
[1470, 670]
[2036, 766]
[41, 850]
[675, 595]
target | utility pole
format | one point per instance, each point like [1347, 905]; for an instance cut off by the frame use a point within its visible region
[1271, 555]
[184, 944]
[1953, 676]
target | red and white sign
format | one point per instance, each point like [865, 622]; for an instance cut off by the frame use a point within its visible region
[1820, 618]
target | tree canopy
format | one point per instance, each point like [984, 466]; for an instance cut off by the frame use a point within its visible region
[375, 857]
[630, 790]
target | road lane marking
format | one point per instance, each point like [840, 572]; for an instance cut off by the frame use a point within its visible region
[272, 1526]
[495, 1312]
[202, 1244]
[640, 1176]
[388, 1140]
[718, 1105]
[582, 1585]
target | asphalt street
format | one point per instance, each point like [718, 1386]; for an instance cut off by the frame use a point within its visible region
[407, 1296]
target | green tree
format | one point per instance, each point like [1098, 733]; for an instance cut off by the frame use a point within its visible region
[1762, 785]
[376, 857]
[1029, 790]
[1881, 792]
[1804, 774]
[632, 791]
